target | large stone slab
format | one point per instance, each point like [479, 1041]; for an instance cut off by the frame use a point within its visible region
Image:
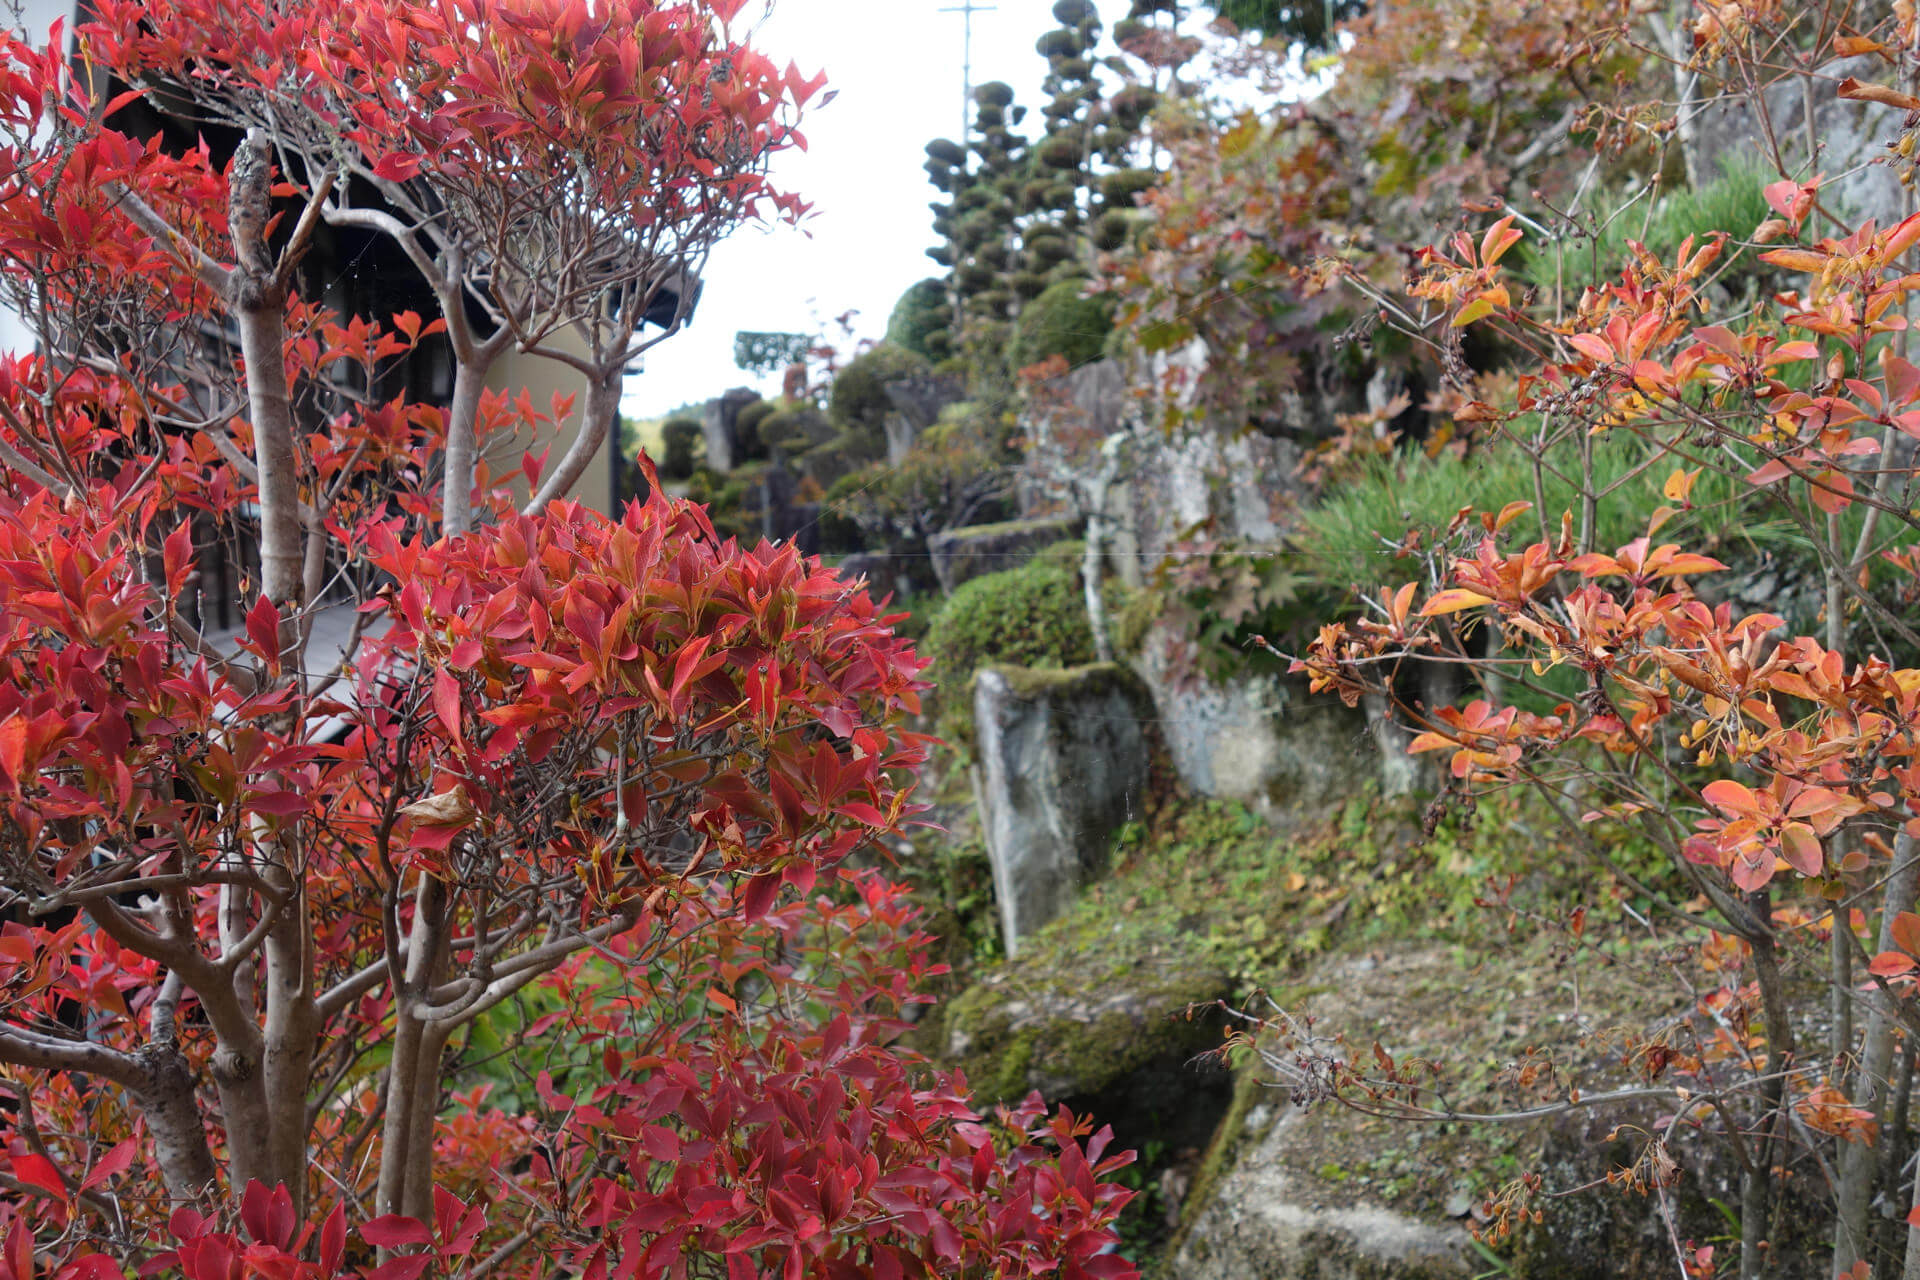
[1259, 740]
[720, 426]
[1266, 1220]
[961, 555]
[1062, 765]
[1851, 133]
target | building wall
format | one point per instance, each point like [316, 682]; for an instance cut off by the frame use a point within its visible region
[542, 378]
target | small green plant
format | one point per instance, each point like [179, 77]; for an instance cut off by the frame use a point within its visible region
[1032, 616]
[1732, 203]
[1349, 537]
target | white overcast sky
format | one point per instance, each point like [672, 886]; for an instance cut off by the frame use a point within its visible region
[896, 65]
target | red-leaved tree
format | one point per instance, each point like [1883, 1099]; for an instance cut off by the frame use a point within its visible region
[466, 942]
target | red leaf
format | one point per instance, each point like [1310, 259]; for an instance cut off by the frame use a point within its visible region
[446, 705]
[1906, 932]
[13, 746]
[38, 1171]
[1801, 848]
[263, 633]
[333, 1240]
[397, 166]
[410, 1267]
[111, 1165]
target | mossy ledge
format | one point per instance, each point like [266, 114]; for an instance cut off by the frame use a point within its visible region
[1020, 1028]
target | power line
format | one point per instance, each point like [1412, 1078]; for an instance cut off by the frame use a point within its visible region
[967, 8]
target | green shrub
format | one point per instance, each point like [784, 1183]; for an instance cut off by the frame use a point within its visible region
[1061, 151]
[679, 437]
[1133, 104]
[859, 400]
[1119, 189]
[1064, 42]
[1112, 230]
[943, 151]
[793, 428]
[1032, 616]
[746, 430]
[1049, 249]
[1060, 322]
[1029, 284]
[994, 93]
[831, 462]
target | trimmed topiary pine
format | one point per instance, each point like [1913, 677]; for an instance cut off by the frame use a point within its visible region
[1061, 322]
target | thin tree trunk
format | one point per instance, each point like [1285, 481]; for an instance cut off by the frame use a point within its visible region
[259, 302]
[413, 1076]
[1758, 1192]
[602, 402]
[258, 297]
[1910, 1267]
[292, 1025]
[1872, 1084]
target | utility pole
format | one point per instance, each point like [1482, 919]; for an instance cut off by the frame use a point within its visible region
[967, 8]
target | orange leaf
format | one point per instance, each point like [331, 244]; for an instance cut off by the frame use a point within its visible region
[1852, 46]
[1801, 848]
[1796, 259]
[1453, 601]
[1730, 797]
[1890, 964]
[1511, 512]
[1860, 91]
[1906, 932]
[1680, 484]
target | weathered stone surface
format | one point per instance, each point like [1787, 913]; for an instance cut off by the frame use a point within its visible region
[1267, 1223]
[1063, 764]
[917, 403]
[1851, 133]
[1258, 740]
[1289, 1191]
[961, 555]
[720, 425]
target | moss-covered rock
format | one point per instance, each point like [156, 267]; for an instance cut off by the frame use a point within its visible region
[1068, 1040]
[973, 551]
